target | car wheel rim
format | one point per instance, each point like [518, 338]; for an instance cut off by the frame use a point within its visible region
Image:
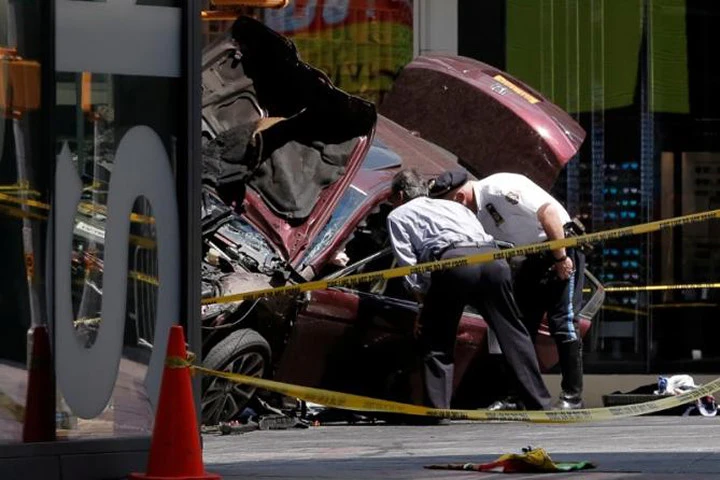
[224, 400]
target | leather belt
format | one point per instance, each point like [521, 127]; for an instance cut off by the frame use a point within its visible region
[462, 244]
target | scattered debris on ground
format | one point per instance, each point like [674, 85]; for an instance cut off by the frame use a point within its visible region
[531, 460]
[666, 386]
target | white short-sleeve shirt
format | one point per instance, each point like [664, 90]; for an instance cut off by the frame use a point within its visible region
[507, 208]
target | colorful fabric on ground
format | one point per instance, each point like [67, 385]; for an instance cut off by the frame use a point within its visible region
[532, 460]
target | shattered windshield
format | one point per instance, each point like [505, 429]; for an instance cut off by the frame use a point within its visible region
[353, 198]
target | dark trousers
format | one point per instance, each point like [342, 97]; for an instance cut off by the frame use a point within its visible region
[540, 292]
[488, 288]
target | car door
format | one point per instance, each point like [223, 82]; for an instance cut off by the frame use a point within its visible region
[352, 341]
[360, 340]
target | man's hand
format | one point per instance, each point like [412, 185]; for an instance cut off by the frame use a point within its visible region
[564, 268]
[340, 259]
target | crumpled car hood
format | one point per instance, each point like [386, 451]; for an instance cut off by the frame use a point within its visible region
[277, 125]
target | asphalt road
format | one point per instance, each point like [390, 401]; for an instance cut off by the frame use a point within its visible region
[639, 448]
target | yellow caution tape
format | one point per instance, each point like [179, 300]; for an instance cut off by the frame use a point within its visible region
[141, 277]
[24, 201]
[628, 310]
[366, 404]
[685, 305]
[86, 208]
[640, 312]
[658, 288]
[22, 186]
[87, 321]
[469, 260]
[90, 208]
[93, 186]
[19, 213]
[144, 242]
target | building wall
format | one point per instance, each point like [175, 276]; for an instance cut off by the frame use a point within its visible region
[435, 27]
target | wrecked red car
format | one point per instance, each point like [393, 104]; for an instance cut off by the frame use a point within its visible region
[297, 175]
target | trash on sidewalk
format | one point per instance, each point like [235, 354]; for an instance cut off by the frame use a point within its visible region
[678, 384]
[666, 387]
[312, 410]
[280, 422]
[262, 417]
[236, 428]
[318, 414]
[532, 460]
[674, 385]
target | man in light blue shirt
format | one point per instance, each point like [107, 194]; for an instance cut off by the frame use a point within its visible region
[423, 229]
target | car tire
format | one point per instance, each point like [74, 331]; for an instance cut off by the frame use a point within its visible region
[243, 351]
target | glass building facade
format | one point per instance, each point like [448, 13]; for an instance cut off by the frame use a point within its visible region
[639, 75]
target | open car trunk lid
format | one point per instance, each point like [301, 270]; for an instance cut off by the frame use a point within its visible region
[490, 120]
[279, 140]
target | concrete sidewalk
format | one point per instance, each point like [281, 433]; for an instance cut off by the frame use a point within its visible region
[639, 448]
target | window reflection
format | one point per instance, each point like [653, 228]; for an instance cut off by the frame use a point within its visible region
[93, 113]
[24, 206]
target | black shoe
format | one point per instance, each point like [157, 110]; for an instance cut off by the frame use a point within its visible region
[569, 402]
[506, 404]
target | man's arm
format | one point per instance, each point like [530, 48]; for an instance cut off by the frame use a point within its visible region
[549, 217]
[405, 255]
[403, 250]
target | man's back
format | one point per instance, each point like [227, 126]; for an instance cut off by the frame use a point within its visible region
[508, 204]
[432, 224]
[422, 227]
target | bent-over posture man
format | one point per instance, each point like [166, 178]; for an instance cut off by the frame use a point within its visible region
[424, 229]
[512, 208]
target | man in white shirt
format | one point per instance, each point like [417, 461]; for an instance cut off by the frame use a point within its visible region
[512, 208]
[423, 229]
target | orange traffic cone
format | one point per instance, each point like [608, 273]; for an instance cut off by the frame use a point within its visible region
[175, 452]
[39, 423]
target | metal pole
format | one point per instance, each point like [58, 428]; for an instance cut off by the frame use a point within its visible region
[23, 178]
[188, 173]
